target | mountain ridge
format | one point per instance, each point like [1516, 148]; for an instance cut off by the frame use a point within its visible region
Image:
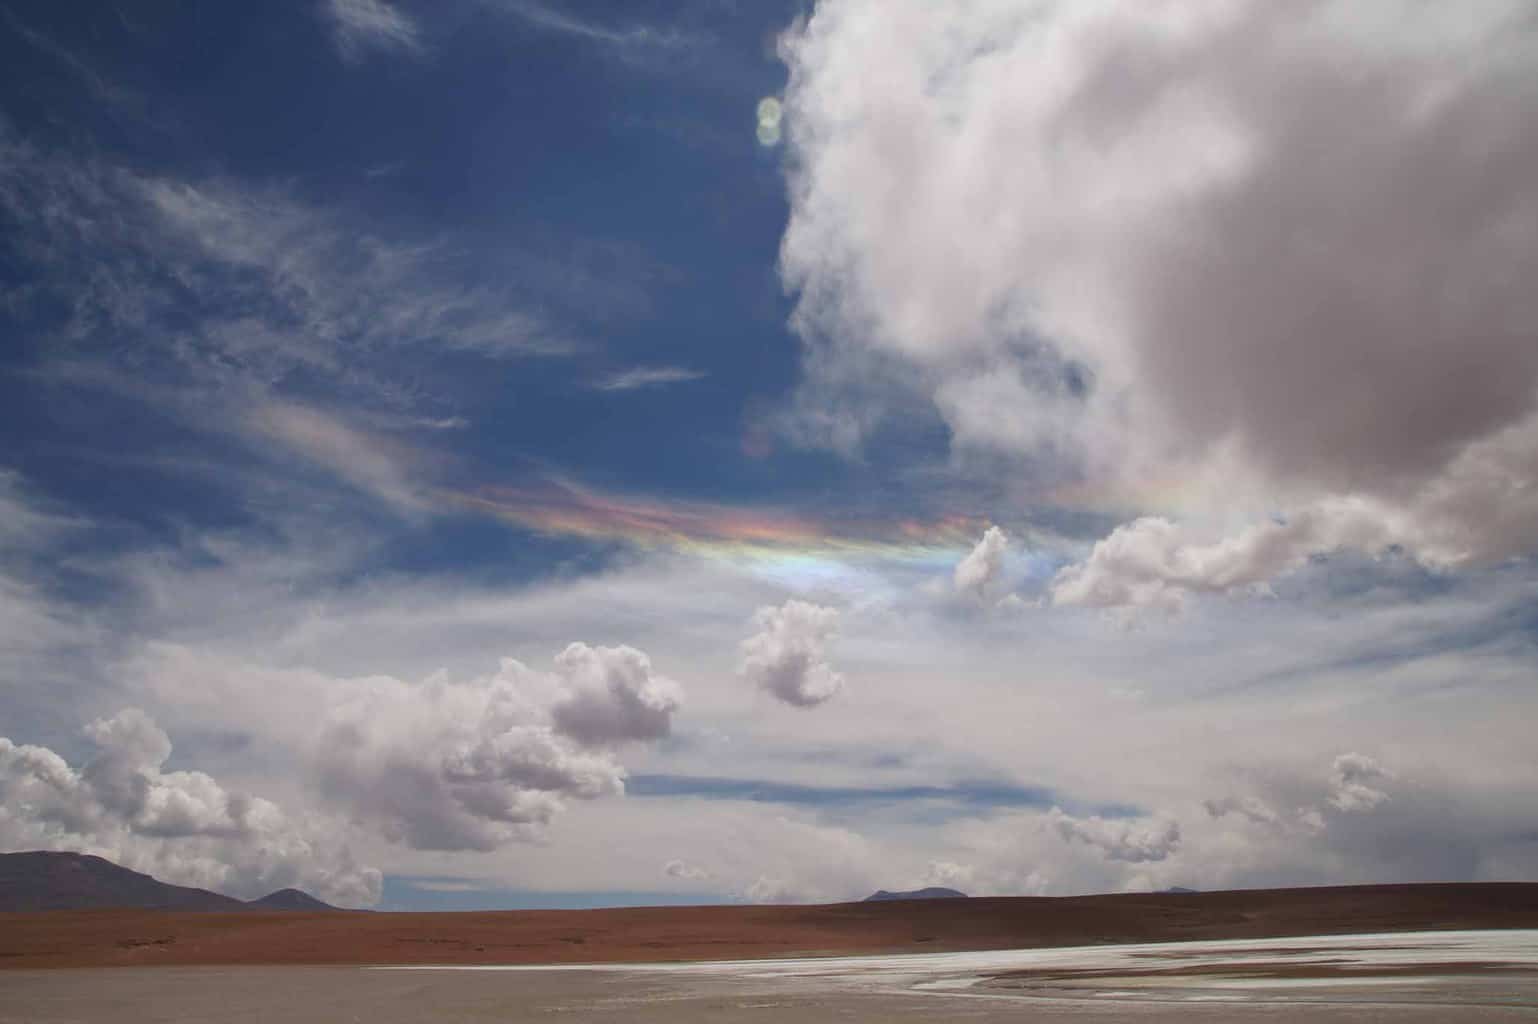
[42, 880]
[929, 892]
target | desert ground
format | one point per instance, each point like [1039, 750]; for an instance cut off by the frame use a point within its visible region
[125, 938]
[1443, 953]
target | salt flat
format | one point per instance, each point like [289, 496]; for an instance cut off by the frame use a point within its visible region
[1435, 976]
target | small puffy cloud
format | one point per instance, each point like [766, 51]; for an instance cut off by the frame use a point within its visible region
[950, 875]
[184, 826]
[766, 889]
[982, 564]
[685, 871]
[1250, 808]
[787, 657]
[360, 26]
[1353, 776]
[615, 698]
[1134, 842]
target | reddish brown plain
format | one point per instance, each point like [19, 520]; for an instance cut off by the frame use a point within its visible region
[106, 938]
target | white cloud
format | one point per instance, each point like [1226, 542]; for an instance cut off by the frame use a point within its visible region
[647, 377]
[182, 826]
[982, 564]
[1251, 808]
[25, 520]
[364, 25]
[440, 764]
[630, 41]
[350, 290]
[1481, 508]
[1028, 212]
[950, 875]
[1133, 841]
[787, 657]
[480, 764]
[1153, 561]
[258, 639]
[615, 696]
[1352, 775]
[765, 889]
[682, 869]
[367, 462]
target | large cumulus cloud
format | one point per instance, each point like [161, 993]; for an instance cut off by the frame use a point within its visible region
[474, 765]
[183, 826]
[1279, 253]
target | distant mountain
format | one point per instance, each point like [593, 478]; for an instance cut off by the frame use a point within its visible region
[289, 899]
[1178, 890]
[933, 892]
[48, 880]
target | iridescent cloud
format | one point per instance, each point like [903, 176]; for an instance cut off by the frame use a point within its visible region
[562, 507]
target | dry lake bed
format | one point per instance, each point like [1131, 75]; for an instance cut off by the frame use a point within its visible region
[1425, 976]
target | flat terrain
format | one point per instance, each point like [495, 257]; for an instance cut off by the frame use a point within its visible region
[1419, 978]
[109, 938]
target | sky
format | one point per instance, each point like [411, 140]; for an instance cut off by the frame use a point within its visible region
[520, 453]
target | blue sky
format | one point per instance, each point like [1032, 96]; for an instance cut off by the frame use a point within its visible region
[566, 453]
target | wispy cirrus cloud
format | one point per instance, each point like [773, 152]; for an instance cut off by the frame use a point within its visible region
[361, 26]
[633, 40]
[642, 377]
[369, 463]
[244, 308]
[106, 92]
[233, 284]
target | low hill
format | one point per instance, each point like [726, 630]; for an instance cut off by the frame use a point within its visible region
[289, 899]
[933, 892]
[54, 880]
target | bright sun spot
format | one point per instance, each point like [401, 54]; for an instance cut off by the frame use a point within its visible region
[769, 114]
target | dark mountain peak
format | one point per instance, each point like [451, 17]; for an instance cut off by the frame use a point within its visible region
[933, 892]
[289, 899]
[62, 880]
[59, 880]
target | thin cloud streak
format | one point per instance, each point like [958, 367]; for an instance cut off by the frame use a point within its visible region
[647, 377]
[360, 26]
[630, 38]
